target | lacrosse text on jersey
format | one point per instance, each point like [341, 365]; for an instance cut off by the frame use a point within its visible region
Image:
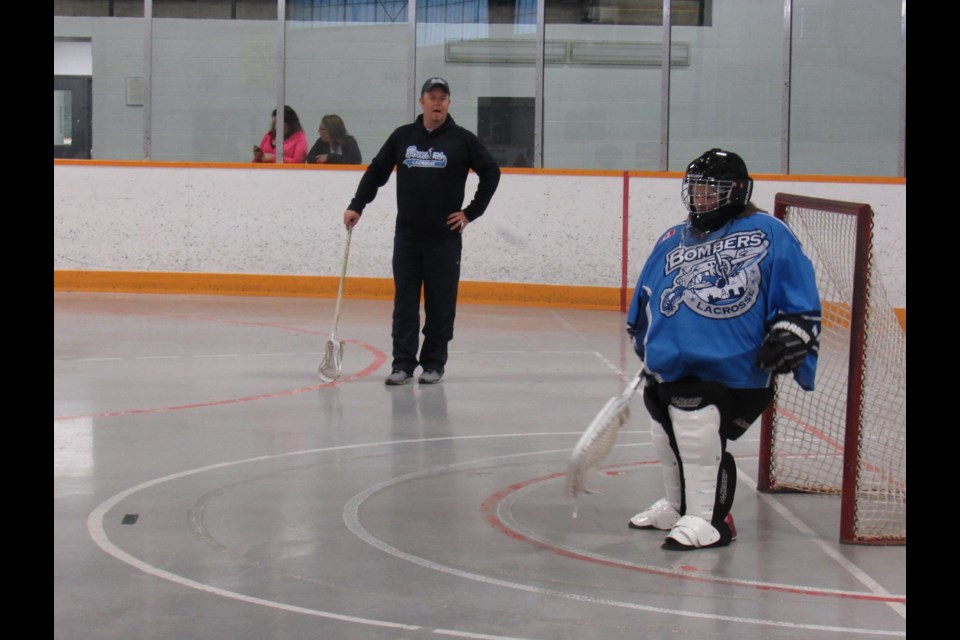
[429, 159]
[716, 279]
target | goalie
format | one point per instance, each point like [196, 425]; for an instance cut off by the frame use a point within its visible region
[725, 301]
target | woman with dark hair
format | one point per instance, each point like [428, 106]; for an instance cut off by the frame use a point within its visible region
[335, 145]
[294, 139]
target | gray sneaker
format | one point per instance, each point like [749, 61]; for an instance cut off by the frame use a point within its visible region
[431, 376]
[398, 377]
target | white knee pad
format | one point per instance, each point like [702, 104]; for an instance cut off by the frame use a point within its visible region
[697, 433]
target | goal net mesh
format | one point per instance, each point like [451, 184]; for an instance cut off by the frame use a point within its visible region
[849, 436]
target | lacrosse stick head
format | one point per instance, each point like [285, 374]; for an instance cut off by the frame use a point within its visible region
[332, 360]
[596, 443]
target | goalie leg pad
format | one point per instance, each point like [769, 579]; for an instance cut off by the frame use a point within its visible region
[669, 465]
[692, 532]
[660, 515]
[700, 449]
[710, 480]
[726, 487]
[664, 512]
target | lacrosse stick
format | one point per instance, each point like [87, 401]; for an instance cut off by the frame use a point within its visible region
[333, 354]
[597, 441]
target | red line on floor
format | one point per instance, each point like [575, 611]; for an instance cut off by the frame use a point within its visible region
[379, 358]
[488, 508]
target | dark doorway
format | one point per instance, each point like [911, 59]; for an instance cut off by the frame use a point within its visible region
[72, 116]
[505, 127]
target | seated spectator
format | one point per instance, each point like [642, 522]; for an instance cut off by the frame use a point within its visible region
[294, 140]
[335, 145]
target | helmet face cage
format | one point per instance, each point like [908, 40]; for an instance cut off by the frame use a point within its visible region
[705, 195]
[715, 189]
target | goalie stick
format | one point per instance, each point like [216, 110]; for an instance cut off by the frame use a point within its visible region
[596, 442]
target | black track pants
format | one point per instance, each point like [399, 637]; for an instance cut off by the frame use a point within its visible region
[434, 265]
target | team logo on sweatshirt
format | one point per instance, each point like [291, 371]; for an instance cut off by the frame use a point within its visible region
[718, 279]
[428, 159]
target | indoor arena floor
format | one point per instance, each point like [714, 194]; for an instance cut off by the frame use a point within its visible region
[207, 484]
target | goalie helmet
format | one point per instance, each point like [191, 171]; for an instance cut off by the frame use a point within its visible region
[715, 189]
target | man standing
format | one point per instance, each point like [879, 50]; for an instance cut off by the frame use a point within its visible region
[433, 156]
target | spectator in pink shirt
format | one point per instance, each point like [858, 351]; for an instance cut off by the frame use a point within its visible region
[294, 140]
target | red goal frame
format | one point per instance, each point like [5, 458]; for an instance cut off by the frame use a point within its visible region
[853, 421]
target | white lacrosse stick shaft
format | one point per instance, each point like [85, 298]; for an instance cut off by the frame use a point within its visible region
[343, 277]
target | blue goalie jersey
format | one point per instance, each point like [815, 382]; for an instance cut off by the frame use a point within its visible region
[703, 308]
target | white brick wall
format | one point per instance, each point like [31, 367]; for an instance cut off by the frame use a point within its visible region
[540, 229]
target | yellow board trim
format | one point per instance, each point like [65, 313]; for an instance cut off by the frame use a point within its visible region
[902, 317]
[234, 284]
[242, 284]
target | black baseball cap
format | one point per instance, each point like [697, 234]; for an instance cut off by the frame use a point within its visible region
[435, 82]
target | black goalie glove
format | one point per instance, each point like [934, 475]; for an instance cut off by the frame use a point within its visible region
[785, 346]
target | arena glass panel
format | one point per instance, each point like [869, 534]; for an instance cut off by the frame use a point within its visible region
[730, 93]
[356, 70]
[214, 88]
[602, 91]
[847, 87]
[487, 54]
[116, 68]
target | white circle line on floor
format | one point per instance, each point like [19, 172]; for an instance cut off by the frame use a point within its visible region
[95, 527]
[503, 513]
[351, 518]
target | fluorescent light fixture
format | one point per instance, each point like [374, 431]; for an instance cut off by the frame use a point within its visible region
[647, 54]
[503, 51]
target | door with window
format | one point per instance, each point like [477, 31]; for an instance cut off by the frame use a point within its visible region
[72, 116]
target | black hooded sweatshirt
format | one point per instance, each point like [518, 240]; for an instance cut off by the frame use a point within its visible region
[432, 169]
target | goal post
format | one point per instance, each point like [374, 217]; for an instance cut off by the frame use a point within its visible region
[849, 435]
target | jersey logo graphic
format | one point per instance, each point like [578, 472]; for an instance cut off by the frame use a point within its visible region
[429, 159]
[719, 279]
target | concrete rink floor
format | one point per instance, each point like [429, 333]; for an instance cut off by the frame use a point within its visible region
[208, 485]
